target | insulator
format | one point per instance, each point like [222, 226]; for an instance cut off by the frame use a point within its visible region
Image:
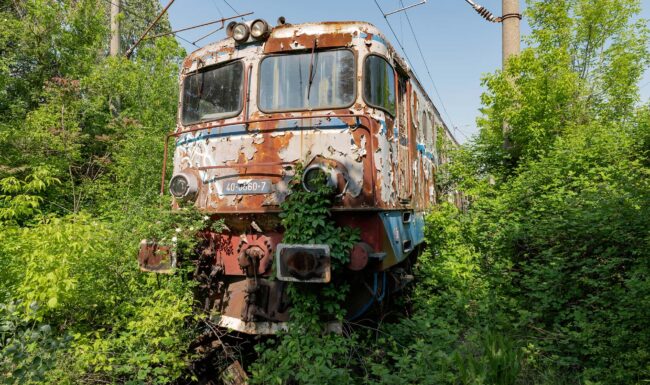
[487, 15]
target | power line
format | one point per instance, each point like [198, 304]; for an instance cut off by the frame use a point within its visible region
[233, 9]
[426, 66]
[130, 11]
[395, 36]
[409, 59]
[185, 40]
[461, 132]
[217, 7]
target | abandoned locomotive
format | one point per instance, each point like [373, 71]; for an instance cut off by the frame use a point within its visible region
[333, 97]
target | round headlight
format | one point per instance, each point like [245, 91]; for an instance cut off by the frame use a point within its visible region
[317, 174]
[240, 33]
[314, 177]
[183, 186]
[259, 29]
[230, 27]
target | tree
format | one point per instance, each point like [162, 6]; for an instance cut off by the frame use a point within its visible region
[583, 64]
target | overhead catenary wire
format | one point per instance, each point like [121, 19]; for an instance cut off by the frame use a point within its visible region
[426, 66]
[410, 62]
[153, 23]
[217, 7]
[405, 8]
[233, 9]
[130, 11]
[207, 35]
[399, 43]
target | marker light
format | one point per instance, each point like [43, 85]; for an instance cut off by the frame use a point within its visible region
[240, 33]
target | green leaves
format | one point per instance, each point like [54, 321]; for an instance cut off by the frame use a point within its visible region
[77, 196]
[306, 219]
[308, 354]
[582, 64]
[20, 199]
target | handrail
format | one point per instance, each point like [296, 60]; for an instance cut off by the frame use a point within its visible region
[249, 121]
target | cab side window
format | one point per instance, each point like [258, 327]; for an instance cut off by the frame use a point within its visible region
[379, 83]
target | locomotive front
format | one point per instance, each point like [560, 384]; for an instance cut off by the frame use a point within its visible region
[255, 106]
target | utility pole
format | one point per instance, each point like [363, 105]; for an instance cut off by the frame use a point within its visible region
[114, 50]
[511, 44]
[510, 38]
[115, 28]
[510, 26]
[130, 50]
[510, 29]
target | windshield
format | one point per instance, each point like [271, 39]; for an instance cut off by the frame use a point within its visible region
[213, 94]
[285, 82]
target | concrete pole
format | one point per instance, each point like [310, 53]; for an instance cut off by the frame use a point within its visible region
[115, 28]
[511, 35]
[511, 44]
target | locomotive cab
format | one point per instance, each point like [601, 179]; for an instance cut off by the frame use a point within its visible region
[333, 97]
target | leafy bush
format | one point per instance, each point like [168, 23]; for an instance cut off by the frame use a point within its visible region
[544, 280]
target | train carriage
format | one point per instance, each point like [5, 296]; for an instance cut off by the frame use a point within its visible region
[331, 96]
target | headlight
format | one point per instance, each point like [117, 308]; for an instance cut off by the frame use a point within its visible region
[313, 176]
[240, 33]
[259, 29]
[230, 27]
[319, 173]
[184, 186]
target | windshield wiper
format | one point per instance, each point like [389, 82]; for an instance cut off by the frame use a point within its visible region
[311, 68]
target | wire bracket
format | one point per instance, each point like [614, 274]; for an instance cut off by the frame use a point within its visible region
[405, 8]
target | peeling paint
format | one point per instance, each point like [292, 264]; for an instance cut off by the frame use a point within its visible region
[388, 163]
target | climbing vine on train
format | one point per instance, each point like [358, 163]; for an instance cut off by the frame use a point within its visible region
[308, 353]
[543, 280]
[307, 219]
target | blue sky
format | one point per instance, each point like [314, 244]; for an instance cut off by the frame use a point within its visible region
[458, 46]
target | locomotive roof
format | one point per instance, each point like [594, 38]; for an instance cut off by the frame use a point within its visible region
[345, 29]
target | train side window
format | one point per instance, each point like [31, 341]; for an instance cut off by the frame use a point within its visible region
[417, 120]
[427, 125]
[379, 84]
[402, 107]
[434, 136]
[415, 102]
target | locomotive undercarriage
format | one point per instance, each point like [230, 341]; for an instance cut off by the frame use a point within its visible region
[252, 301]
[237, 269]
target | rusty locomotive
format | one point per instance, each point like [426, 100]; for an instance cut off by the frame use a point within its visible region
[334, 97]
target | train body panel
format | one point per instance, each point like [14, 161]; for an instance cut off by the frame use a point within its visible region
[331, 96]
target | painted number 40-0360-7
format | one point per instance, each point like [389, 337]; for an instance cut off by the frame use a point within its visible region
[247, 186]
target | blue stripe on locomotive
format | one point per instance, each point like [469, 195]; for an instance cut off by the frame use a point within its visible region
[399, 231]
[283, 126]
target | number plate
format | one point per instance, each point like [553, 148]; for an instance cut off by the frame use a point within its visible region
[246, 187]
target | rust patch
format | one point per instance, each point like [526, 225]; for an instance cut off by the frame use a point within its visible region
[305, 41]
[155, 258]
